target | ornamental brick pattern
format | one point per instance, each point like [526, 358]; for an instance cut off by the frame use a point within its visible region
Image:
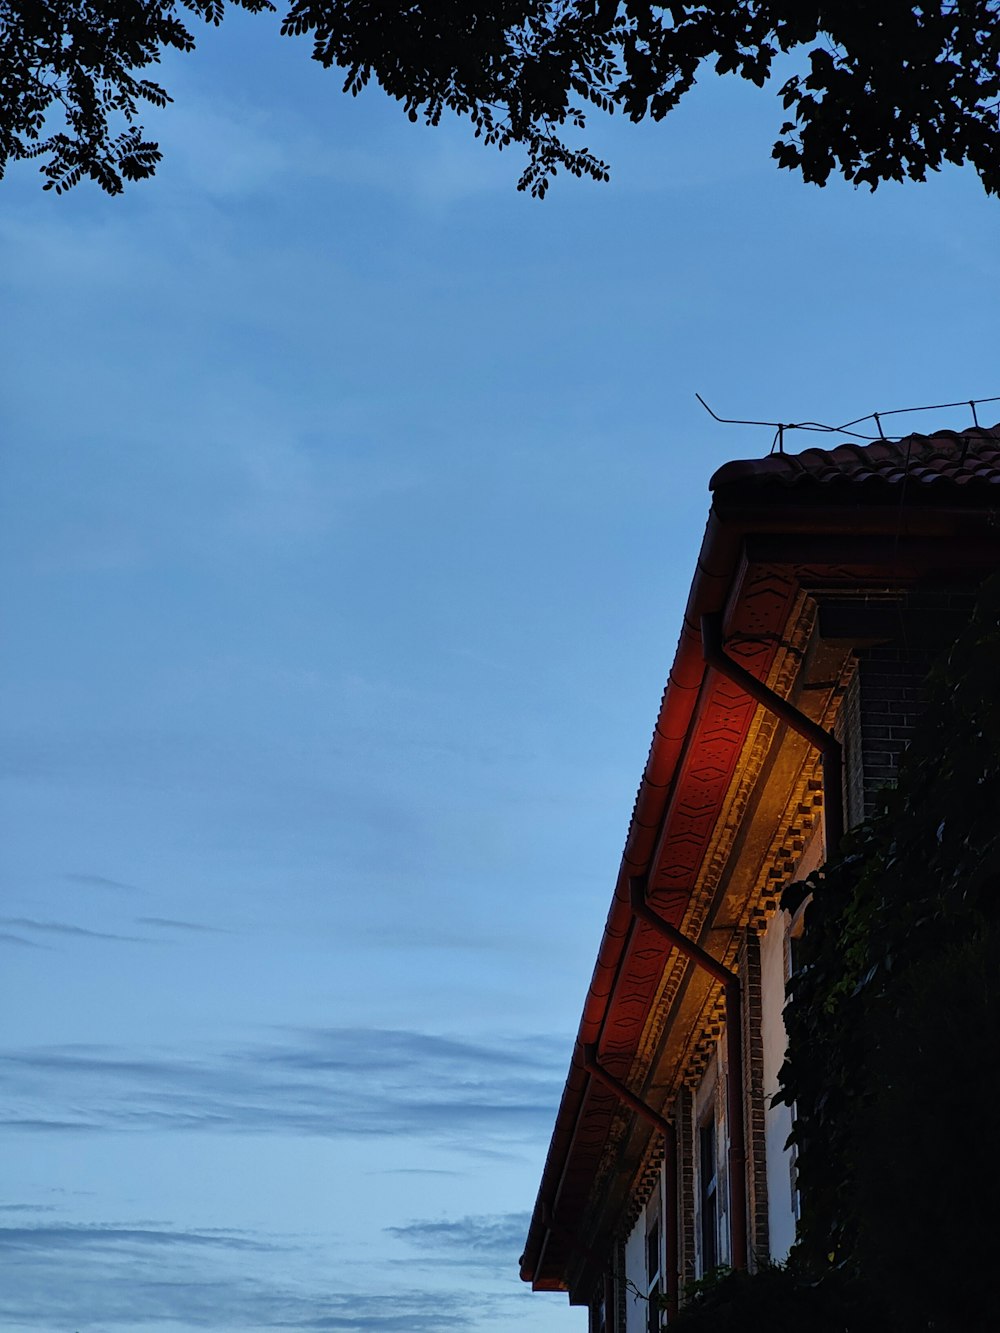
[684, 1120]
[753, 1098]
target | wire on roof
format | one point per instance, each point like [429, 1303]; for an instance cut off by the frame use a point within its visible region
[779, 427]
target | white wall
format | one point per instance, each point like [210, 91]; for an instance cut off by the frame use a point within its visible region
[777, 1119]
[637, 1308]
[635, 1272]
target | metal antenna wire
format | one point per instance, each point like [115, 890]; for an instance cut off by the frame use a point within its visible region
[779, 427]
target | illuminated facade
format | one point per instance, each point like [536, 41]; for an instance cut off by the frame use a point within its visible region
[826, 583]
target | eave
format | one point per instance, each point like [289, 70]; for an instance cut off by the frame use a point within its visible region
[765, 542]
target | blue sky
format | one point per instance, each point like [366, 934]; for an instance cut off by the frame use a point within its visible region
[349, 503]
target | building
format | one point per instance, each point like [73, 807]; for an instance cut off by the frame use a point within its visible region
[826, 583]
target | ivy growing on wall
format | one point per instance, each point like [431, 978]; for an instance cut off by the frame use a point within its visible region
[894, 1020]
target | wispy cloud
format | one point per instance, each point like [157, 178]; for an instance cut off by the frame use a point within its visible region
[67, 928]
[107, 1275]
[49, 1125]
[169, 923]
[414, 1171]
[7, 937]
[423, 1312]
[230, 148]
[93, 1236]
[490, 1240]
[485, 1097]
[102, 882]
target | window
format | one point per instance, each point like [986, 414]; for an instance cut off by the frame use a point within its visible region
[653, 1284]
[603, 1318]
[708, 1194]
[599, 1315]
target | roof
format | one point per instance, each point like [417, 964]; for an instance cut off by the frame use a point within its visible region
[972, 456]
[848, 513]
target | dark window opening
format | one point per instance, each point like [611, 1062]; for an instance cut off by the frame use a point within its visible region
[708, 1188]
[598, 1320]
[653, 1323]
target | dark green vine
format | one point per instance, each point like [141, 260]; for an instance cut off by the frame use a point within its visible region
[777, 1298]
[894, 1020]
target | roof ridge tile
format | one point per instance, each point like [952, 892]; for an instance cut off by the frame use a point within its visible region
[959, 457]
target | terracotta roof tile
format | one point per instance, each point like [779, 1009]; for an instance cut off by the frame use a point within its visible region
[949, 458]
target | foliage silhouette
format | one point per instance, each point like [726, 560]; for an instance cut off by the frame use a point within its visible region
[777, 1298]
[874, 90]
[893, 1064]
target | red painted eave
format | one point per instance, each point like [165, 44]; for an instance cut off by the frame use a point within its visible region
[709, 589]
[843, 491]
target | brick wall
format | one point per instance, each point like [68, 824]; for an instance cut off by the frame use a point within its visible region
[890, 698]
[887, 694]
[753, 1097]
[619, 1315]
[684, 1121]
